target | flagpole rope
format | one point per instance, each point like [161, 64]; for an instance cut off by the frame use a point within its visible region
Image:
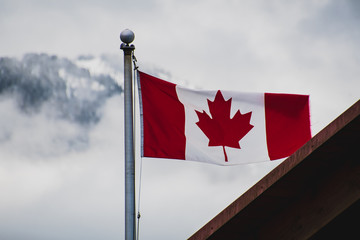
[140, 173]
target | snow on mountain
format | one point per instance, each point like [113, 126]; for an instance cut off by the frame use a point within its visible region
[75, 93]
[49, 104]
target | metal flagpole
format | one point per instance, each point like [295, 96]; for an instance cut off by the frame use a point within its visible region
[127, 36]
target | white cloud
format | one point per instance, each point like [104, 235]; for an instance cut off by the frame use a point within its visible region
[64, 196]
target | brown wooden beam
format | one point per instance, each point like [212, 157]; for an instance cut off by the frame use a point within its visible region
[320, 179]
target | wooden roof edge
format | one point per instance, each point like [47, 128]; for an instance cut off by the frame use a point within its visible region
[255, 191]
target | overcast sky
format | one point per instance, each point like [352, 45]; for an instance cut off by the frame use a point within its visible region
[308, 47]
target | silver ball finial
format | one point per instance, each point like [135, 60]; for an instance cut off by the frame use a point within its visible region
[127, 36]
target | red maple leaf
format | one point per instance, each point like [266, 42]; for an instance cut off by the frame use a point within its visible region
[222, 130]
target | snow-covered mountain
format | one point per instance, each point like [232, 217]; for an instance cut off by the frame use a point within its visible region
[72, 90]
[49, 105]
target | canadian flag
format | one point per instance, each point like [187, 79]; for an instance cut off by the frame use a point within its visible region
[219, 127]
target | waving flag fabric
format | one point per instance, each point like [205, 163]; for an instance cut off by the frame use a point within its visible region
[220, 127]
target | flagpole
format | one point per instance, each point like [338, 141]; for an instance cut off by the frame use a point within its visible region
[127, 36]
